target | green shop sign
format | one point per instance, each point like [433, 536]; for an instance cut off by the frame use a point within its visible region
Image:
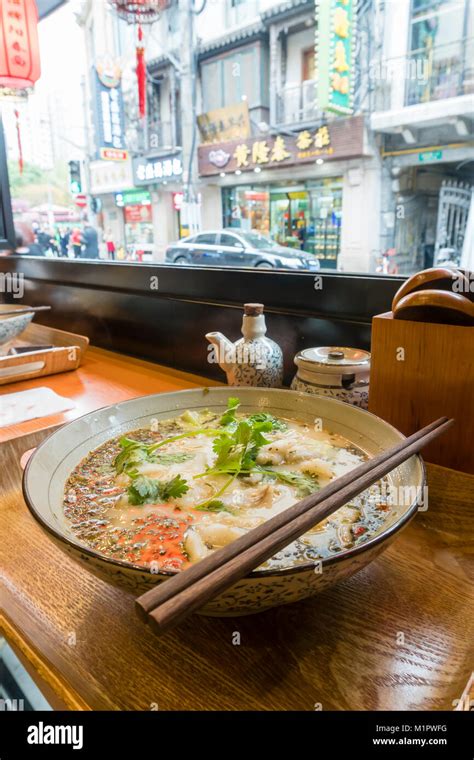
[132, 198]
[334, 52]
[430, 155]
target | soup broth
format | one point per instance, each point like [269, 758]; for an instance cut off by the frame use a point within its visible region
[165, 496]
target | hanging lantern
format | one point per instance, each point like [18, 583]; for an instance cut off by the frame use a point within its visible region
[141, 75]
[139, 11]
[19, 48]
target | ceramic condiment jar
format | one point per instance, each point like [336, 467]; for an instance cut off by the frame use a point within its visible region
[253, 360]
[341, 373]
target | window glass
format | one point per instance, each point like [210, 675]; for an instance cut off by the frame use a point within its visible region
[206, 239]
[232, 136]
[233, 78]
[441, 45]
[212, 84]
[301, 217]
[230, 240]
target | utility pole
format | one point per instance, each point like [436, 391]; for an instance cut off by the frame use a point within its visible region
[191, 212]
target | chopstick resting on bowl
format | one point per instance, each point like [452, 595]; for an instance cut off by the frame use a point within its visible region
[25, 310]
[170, 602]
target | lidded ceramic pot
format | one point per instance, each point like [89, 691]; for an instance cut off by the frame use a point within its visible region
[334, 371]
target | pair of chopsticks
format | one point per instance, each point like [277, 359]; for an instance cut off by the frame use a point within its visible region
[25, 310]
[171, 601]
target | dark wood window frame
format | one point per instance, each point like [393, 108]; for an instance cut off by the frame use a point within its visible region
[7, 229]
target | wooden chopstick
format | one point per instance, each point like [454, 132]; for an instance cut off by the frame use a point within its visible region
[196, 594]
[169, 603]
[26, 310]
[150, 600]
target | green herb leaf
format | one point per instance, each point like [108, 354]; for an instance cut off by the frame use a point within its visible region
[276, 424]
[305, 484]
[228, 418]
[216, 505]
[174, 488]
[145, 490]
[133, 453]
[172, 458]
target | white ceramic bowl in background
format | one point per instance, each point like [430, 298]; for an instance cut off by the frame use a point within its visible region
[11, 326]
[51, 464]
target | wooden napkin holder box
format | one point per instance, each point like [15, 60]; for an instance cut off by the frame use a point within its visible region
[421, 371]
[66, 353]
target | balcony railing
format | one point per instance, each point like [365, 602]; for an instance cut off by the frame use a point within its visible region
[425, 75]
[296, 104]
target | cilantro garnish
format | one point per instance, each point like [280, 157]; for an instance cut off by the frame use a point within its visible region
[236, 444]
[265, 417]
[145, 490]
[229, 416]
[216, 505]
[305, 484]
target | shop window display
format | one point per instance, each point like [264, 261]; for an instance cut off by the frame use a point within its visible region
[304, 217]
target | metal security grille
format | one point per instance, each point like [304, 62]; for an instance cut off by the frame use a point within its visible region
[453, 210]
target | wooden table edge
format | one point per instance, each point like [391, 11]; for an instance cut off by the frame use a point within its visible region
[54, 688]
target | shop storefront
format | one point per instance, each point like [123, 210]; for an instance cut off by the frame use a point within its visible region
[298, 189]
[428, 199]
[138, 221]
[157, 219]
[305, 216]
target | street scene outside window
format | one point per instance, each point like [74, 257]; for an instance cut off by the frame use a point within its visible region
[304, 135]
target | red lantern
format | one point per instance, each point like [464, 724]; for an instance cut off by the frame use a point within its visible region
[140, 12]
[19, 48]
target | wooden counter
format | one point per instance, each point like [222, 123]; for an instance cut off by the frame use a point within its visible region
[396, 636]
[104, 378]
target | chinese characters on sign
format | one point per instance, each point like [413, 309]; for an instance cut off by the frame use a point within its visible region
[149, 171]
[340, 138]
[276, 150]
[109, 115]
[229, 123]
[19, 51]
[112, 154]
[335, 34]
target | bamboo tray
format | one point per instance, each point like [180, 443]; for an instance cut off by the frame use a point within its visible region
[66, 354]
[395, 636]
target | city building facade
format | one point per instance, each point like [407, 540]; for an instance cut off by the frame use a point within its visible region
[423, 118]
[238, 134]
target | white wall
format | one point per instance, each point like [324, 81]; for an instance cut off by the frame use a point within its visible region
[164, 221]
[360, 234]
[296, 44]
[211, 207]
[395, 46]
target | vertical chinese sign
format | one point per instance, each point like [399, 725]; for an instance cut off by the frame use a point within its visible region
[335, 39]
[109, 120]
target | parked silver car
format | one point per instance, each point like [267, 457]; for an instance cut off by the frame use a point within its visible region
[235, 248]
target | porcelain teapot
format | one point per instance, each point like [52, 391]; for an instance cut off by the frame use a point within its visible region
[252, 360]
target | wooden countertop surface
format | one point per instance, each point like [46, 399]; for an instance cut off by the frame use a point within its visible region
[396, 636]
[103, 378]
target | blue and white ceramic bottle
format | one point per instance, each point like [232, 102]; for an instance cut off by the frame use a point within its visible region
[253, 360]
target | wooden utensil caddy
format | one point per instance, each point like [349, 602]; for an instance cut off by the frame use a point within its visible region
[65, 355]
[421, 371]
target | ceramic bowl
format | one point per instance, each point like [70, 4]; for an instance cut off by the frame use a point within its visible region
[52, 462]
[11, 326]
